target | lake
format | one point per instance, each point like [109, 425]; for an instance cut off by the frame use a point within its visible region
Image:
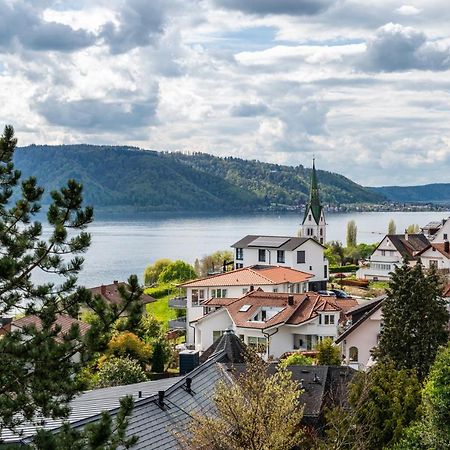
[121, 247]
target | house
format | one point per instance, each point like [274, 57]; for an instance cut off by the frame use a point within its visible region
[436, 255]
[390, 253]
[314, 224]
[232, 285]
[164, 409]
[273, 323]
[438, 232]
[300, 253]
[363, 334]
[110, 293]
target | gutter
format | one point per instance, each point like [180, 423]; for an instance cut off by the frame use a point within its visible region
[268, 336]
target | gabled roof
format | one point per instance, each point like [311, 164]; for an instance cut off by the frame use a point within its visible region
[291, 243]
[303, 307]
[439, 246]
[233, 348]
[256, 275]
[408, 245]
[63, 320]
[110, 293]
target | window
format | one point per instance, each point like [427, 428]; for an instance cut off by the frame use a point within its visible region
[275, 289]
[445, 237]
[280, 256]
[383, 252]
[433, 263]
[321, 231]
[309, 217]
[301, 257]
[244, 290]
[216, 335]
[261, 255]
[198, 295]
[218, 293]
[239, 253]
[239, 265]
[325, 271]
[328, 319]
[257, 343]
[353, 354]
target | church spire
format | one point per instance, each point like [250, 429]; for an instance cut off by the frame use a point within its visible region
[314, 200]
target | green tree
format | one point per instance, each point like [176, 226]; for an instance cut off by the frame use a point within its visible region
[153, 271]
[38, 374]
[352, 232]
[214, 262]
[414, 319]
[392, 228]
[161, 355]
[258, 411]
[413, 229]
[296, 359]
[176, 272]
[328, 353]
[128, 344]
[335, 253]
[117, 371]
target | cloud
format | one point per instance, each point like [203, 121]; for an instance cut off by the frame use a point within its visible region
[398, 48]
[267, 7]
[93, 115]
[408, 10]
[21, 24]
[245, 109]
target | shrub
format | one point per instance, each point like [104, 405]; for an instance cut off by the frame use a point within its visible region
[177, 271]
[296, 359]
[328, 353]
[128, 344]
[153, 271]
[160, 291]
[119, 371]
[347, 268]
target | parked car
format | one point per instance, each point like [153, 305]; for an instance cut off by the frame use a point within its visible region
[340, 293]
[330, 293]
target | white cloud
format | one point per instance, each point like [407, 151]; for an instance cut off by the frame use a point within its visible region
[408, 10]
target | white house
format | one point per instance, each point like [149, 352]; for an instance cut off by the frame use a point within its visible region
[274, 323]
[390, 253]
[362, 336]
[438, 232]
[205, 294]
[299, 253]
[436, 255]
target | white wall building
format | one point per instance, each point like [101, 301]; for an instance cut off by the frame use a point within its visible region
[228, 286]
[390, 253]
[299, 253]
[437, 255]
[274, 323]
[438, 232]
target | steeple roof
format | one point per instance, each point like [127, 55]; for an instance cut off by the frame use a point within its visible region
[314, 200]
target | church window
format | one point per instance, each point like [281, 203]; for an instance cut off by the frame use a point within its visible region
[309, 217]
[321, 231]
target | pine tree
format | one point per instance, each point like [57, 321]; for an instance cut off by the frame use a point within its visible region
[37, 371]
[414, 318]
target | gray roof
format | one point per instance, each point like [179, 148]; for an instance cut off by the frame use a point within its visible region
[289, 243]
[230, 345]
[409, 246]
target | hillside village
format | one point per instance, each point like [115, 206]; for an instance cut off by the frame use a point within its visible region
[278, 299]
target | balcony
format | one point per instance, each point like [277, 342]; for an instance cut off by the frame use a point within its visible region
[178, 302]
[177, 324]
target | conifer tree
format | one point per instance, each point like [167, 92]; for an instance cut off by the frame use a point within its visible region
[37, 371]
[352, 231]
[414, 319]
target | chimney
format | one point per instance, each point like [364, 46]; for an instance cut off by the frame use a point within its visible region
[189, 385]
[252, 288]
[103, 289]
[446, 247]
[116, 282]
[161, 398]
[139, 394]
[406, 235]
[290, 300]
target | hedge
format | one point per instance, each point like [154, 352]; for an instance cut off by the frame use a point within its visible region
[348, 268]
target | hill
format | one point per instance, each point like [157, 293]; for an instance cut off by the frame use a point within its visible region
[427, 193]
[129, 179]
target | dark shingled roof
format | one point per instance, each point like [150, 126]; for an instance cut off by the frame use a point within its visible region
[233, 348]
[291, 244]
[410, 246]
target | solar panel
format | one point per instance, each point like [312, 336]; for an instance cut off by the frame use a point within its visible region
[245, 308]
[267, 241]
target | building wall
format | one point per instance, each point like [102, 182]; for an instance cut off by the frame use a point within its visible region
[444, 233]
[318, 230]
[219, 321]
[434, 255]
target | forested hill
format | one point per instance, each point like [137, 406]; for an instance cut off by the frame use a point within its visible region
[129, 179]
[430, 193]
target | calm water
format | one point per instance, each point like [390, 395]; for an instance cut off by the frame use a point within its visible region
[123, 247]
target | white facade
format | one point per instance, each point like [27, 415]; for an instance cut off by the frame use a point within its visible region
[358, 344]
[272, 343]
[195, 296]
[308, 257]
[311, 229]
[443, 234]
[433, 257]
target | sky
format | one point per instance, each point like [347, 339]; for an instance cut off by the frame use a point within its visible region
[364, 87]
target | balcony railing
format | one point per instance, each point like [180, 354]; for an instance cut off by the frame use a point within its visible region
[177, 324]
[178, 302]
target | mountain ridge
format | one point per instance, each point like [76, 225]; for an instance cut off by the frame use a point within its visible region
[424, 193]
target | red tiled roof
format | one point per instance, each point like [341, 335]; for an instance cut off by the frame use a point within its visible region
[63, 320]
[447, 291]
[218, 301]
[304, 307]
[248, 276]
[110, 292]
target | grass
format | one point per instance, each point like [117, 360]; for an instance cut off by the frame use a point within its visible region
[161, 311]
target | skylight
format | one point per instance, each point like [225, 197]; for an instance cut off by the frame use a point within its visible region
[245, 308]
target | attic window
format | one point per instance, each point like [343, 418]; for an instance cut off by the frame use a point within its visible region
[245, 308]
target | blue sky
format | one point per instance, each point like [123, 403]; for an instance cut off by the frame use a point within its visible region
[364, 87]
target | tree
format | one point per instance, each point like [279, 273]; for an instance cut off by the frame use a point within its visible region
[413, 229]
[352, 232]
[38, 371]
[296, 359]
[214, 262]
[161, 355]
[392, 228]
[414, 318]
[258, 411]
[153, 271]
[328, 353]
[335, 253]
[177, 271]
[383, 402]
[128, 344]
[116, 371]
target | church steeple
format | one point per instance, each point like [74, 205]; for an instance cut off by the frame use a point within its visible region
[313, 224]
